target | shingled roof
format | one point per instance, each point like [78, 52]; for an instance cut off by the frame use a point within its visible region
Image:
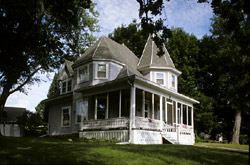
[150, 58]
[107, 49]
[12, 113]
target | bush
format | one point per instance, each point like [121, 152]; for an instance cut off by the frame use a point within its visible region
[198, 139]
[244, 139]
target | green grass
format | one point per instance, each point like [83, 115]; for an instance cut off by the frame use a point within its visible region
[221, 145]
[47, 150]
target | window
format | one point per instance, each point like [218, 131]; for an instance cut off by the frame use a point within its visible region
[173, 80]
[65, 116]
[69, 85]
[78, 111]
[66, 86]
[101, 107]
[101, 71]
[160, 78]
[81, 106]
[83, 74]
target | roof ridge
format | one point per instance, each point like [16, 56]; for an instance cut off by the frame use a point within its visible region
[143, 51]
[97, 46]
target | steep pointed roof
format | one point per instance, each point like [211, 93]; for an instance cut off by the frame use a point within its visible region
[150, 58]
[107, 49]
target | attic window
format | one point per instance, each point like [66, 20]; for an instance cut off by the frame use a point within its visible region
[160, 78]
[173, 80]
[101, 71]
[84, 74]
[66, 86]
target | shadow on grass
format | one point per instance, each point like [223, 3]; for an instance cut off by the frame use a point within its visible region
[60, 151]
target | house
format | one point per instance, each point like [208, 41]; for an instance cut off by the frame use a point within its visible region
[109, 93]
[9, 123]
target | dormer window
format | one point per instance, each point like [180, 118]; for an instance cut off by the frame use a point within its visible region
[83, 74]
[101, 71]
[173, 81]
[160, 78]
[66, 86]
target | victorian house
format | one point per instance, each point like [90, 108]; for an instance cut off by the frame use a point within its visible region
[110, 93]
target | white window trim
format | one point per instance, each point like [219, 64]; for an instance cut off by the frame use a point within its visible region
[164, 79]
[78, 74]
[69, 108]
[96, 70]
[61, 91]
[77, 112]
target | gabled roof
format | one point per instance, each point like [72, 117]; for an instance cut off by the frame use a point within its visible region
[150, 58]
[107, 49]
[11, 113]
[67, 67]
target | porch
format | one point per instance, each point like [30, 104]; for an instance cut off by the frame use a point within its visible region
[128, 113]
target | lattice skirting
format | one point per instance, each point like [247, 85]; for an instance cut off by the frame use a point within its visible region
[121, 135]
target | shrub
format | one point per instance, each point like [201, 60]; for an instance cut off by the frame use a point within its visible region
[198, 139]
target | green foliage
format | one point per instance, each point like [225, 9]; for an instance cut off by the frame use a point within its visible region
[198, 139]
[94, 140]
[38, 35]
[54, 89]
[32, 123]
[132, 36]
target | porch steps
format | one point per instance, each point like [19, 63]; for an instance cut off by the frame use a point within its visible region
[169, 138]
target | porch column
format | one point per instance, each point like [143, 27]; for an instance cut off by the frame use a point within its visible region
[132, 106]
[187, 113]
[132, 114]
[176, 118]
[107, 107]
[95, 107]
[153, 106]
[192, 116]
[166, 110]
[120, 103]
[143, 103]
[160, 112]
[181, 114]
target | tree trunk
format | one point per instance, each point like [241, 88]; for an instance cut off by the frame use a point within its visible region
[3, 99]
[236, 129]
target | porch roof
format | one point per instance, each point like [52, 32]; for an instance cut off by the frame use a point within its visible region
[129, 80]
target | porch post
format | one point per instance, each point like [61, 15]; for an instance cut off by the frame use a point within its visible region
[95, 107]
[181, 114]
[192, 116]
[166, 110]
[176, 118]
[153, 106]
[161, 112]
[107, 107]
[187, 113]
[132, 113]
[120, 103]
[143, 103]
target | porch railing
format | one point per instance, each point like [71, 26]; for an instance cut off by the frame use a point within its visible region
[105, 124]
[146, 123]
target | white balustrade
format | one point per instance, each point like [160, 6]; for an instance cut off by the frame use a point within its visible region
[105, 123]
[147, 123]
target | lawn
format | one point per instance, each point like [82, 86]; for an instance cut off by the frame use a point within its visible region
[221, 145]
[47, 150]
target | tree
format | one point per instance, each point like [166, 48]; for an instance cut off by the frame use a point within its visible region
[37, 36]
[132, 36]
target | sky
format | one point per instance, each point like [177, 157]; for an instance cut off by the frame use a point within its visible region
[192, 17]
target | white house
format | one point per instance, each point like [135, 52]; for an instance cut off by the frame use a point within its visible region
[109, 93]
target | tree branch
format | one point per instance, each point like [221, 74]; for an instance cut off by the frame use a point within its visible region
[28, 78]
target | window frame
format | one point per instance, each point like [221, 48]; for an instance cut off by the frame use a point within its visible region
[66, 87]
[156, 78]
[173, 81]
[96, 70]
[78, 74]
[76, 116]
[69, 110]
